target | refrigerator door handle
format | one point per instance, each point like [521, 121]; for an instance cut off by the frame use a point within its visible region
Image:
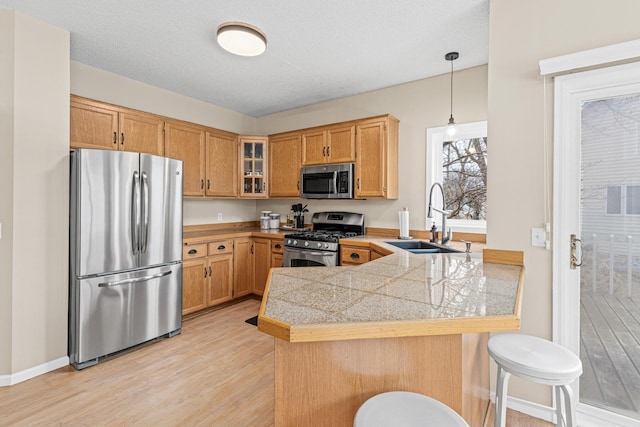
[135, 213]
[144, 231]
[135, 280]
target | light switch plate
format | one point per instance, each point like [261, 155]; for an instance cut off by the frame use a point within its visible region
[538, 237]
[219, 216]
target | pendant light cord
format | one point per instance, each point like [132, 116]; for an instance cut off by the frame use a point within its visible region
[451, 92]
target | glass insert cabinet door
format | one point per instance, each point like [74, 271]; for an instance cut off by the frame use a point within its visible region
[253, 162]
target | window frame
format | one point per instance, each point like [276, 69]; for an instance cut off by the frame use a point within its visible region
[433, 170]
[623, 200]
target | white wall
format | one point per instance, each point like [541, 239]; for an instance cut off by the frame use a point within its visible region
[418, 105]
[521, 34]
[35, 105]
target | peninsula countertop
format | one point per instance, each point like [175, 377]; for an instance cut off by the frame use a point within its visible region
[401, 294]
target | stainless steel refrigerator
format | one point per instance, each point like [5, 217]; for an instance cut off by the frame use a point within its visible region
[125, 252]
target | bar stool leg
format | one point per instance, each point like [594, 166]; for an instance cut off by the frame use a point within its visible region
[558, 391]
[570, 408]
[501, 398]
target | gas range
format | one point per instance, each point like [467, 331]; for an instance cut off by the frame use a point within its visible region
[320, 246]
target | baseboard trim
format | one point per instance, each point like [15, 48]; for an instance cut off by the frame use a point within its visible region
[532, 409]
[27, 374]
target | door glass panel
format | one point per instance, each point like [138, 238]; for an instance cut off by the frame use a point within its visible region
[258, 149]
[248, 150]
[610, 272]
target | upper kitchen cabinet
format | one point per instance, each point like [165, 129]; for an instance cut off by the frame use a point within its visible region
[93, 125]
[284, 165]
[376, 170]
[185, 142]
[99, 125]
[253, 166]
[332, 144]
[221, 164]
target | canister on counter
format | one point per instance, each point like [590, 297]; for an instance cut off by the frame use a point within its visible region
[264, 222]
[274, 221]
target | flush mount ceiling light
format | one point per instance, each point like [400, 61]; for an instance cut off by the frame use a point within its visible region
[451, 126]
[241, 39]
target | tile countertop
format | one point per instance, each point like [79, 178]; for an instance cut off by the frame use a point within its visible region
[401, 294]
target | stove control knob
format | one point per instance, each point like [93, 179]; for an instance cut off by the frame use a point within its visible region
[319, 244]
[326, 245]
[306, 243]
[288, 241]
[295, 243]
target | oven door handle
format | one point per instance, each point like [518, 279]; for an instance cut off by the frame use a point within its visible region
[307, 252]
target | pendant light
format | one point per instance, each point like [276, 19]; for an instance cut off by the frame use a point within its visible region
[451, 126]
[241, 39]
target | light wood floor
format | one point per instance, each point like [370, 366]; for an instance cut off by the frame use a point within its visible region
[218, 372]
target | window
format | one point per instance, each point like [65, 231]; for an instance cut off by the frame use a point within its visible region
[460, 166]
[623, 200]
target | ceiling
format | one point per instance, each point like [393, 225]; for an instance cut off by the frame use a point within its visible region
[318, 50]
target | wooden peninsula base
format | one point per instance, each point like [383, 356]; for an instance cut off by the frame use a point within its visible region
[324, 383]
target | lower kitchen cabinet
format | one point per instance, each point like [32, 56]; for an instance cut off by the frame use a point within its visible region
[194, 293]
[277, 248]
[220, 286]
[353, 255]
[262, 264]
[242, 266]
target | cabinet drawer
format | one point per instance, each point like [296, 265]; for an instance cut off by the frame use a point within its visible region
[194, 251]
[350, 255]
[277, 246]
[221, 247]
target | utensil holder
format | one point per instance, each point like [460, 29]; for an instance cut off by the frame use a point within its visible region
[298, 221]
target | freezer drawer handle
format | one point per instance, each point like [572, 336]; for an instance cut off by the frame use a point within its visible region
[135, 280]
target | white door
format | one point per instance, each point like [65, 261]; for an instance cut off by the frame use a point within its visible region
[597, 199]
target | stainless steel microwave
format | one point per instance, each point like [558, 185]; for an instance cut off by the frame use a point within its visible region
[327, 181]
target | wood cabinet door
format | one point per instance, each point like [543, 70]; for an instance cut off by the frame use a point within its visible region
[370, 161]
[276, 260]
[254, 158]
[242, 266]
[141, 133]
[221, 165]
[195, 275]
[186, 143]
[284, 166]
[262, 264]
[93, 126]
[341, 144]
[314, 148]
[220, 279]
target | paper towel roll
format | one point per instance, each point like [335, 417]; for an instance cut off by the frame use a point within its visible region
[404, 223]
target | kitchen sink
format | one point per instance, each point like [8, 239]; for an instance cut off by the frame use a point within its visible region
[422, 247]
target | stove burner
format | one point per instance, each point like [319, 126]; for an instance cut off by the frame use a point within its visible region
[321, 236]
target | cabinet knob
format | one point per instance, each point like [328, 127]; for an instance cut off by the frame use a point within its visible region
[355, 255]
[222, 247]
[278, 245]
[193, 252]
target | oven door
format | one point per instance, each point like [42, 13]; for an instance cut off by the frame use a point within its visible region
[294, 257]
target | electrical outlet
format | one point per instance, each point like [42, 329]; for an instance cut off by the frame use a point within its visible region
[538, 237]
[219, 216]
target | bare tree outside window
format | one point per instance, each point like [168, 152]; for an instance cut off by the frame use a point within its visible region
[464, 177]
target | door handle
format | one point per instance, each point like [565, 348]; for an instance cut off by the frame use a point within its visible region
[134, 280]
[575, 242]
[135, 213]
[145, 213]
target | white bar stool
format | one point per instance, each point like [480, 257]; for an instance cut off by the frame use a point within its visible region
[406, 409]
[537, 360]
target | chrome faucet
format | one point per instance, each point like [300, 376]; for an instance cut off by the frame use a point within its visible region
[445, 213]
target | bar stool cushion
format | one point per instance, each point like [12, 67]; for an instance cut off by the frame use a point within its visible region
[406, 409]
[535, 358]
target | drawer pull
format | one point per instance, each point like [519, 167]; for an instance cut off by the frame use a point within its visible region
[222, 247]
[193, 252]
[278, 245]
[355, 255]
